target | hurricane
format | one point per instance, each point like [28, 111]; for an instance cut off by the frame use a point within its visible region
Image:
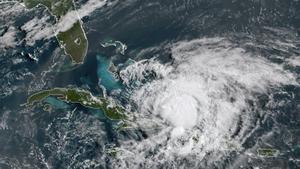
[201, 106]
[149, 84]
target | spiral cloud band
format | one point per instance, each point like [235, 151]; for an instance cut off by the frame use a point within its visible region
[201, 104]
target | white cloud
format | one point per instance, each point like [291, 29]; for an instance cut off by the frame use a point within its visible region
[294, 61]
[9, 10]
[38, 29]
[67, 21]
[41, 28]
[202, 96]
[9, 38]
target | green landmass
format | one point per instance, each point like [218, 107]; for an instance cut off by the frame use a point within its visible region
[81, 97]
[72, 40]
[58, 8]
[267, 152]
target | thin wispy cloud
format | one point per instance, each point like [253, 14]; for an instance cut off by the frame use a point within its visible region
[41, 28]
[37, 29]
[72, 17]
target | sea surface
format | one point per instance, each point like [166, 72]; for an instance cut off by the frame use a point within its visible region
[232, 67]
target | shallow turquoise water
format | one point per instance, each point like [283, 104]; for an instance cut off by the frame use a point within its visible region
[56, 103]
[106, 77]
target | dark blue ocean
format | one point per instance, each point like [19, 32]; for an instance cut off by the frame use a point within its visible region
[72, 136]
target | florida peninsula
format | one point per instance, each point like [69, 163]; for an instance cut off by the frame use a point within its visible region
[72, 38]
